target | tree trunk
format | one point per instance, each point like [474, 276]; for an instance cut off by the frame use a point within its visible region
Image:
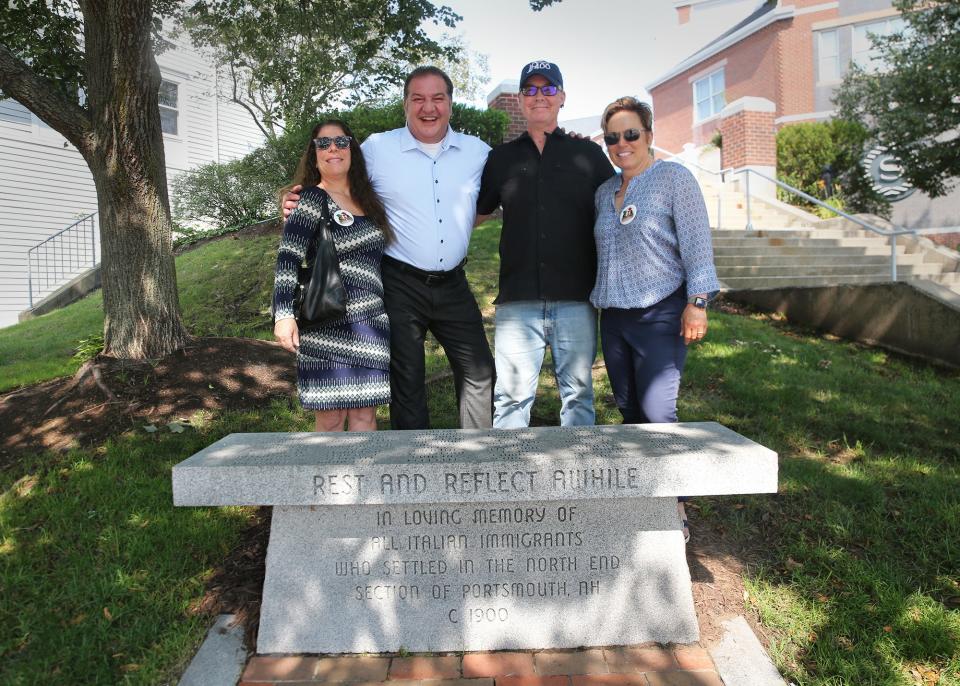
[126, 158]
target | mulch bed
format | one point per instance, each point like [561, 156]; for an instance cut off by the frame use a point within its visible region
[109, 396]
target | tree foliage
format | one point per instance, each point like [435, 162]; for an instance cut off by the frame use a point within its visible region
[36, 30]
[289, 59]
[245, 191]
[912, 104]
[468, 69]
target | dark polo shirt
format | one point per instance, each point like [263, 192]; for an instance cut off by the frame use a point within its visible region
[547, 251]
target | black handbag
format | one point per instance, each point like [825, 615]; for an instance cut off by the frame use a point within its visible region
[320, 295]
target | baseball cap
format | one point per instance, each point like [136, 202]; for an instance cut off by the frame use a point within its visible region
[547, 70]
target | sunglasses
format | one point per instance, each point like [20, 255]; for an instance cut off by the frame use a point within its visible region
[530, 91]
[630, 135]
[325, 142]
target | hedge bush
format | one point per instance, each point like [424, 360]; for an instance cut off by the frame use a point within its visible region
[232, 194]
[244, 191]
[803, 150]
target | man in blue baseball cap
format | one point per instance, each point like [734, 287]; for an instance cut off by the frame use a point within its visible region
[545, 182]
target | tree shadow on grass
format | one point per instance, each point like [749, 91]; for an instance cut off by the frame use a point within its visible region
[104, 580]
[858, 560]
[209, 375]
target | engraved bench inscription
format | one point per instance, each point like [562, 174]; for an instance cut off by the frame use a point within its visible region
[475, 540]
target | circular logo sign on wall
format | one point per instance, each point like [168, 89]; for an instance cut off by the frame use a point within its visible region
[886, 173]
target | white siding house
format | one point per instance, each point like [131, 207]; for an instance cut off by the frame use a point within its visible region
[37, 163]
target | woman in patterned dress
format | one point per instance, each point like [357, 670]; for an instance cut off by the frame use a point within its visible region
[343, 364]
[655, 272]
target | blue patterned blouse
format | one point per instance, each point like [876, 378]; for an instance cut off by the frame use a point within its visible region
[659, 239]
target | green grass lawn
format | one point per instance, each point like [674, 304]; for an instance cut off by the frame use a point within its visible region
[225, 288]
[857, 571]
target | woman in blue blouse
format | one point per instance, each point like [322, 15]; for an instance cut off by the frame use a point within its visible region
[655, 272]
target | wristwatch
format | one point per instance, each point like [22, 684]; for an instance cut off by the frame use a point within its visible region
[698, 301]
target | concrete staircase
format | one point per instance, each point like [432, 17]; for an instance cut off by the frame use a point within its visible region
[789, 247]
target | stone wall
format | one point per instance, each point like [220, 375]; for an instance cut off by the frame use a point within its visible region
[919, 318]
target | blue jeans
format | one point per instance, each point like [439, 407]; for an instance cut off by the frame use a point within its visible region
[524, 330]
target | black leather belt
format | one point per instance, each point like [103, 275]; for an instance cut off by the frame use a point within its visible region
[429, 278]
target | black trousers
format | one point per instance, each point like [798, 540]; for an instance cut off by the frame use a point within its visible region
[645, 355]
[447, 308]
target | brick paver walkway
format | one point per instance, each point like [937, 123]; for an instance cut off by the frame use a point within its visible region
[623, 666]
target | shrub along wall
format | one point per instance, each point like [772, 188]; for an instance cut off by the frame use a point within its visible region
[803, 150]
[244, 191]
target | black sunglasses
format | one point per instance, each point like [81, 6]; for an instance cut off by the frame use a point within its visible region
[630, 135]
[324, 142]
[530, 91]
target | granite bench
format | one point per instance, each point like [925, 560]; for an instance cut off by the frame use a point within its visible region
[450, 540]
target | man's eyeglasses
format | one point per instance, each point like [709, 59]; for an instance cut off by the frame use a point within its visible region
[630, 135]
[530, 91]
[325, 142]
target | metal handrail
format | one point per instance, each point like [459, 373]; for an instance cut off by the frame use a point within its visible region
[722, 173]
[62, 231]
[64, 262]
[891, 233]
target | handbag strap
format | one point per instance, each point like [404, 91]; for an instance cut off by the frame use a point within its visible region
[323, 232]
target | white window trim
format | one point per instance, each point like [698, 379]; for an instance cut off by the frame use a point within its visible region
[707, 120]
[716, 66]
[840, 70]
[693, 92]
[179, 135]
[854, 19]
[870, 66]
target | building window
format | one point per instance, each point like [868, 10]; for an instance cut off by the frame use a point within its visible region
[828, 57]
[708, 96]
[169, 95]
[864, 53]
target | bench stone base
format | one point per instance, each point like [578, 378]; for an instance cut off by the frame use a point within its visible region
[477, 576]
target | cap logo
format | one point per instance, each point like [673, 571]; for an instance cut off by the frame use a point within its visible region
[537, 65]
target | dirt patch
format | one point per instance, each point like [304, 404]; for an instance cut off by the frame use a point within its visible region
[108, 395]
[717, 565]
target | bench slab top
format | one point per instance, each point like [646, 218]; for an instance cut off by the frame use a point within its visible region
[468, 465]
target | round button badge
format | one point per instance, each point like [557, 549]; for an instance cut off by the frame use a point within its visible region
[343, 218]
[628, 214]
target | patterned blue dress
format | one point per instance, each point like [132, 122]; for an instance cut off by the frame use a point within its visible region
[343, 363]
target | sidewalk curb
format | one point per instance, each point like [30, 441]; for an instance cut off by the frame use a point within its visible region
[741, 659]
[221, 657]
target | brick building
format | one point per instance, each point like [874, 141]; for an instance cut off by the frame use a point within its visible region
[779, 65]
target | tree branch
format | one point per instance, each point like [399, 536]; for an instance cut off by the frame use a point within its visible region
[234, 97]
[40, 96]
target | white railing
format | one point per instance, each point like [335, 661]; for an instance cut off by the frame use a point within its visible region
[889, 233]
[61, 256]
[722, 174]
[687, 163]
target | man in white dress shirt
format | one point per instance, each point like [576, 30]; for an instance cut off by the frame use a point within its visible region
[428, 176]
